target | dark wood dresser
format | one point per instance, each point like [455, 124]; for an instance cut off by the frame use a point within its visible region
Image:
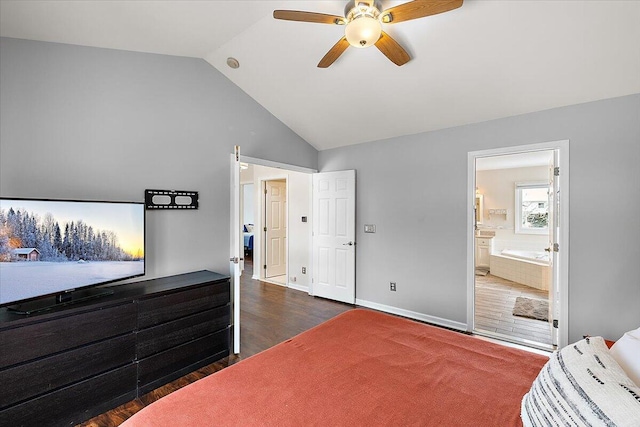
[72, 363]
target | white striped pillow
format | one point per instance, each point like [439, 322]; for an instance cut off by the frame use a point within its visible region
[582, 385]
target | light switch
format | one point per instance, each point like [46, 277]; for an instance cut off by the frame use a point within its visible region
[369, 228]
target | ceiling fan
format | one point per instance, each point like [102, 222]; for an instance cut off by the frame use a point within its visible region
[363, 21]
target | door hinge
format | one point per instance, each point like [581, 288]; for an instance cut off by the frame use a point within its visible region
[556, 171]
[555, 323]
[265, 228]
[265, 191]
[264, 266]
[556, 247]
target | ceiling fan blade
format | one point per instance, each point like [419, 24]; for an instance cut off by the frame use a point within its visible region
[392, 49]
[318, 18]
[334, 53]
[418, 9]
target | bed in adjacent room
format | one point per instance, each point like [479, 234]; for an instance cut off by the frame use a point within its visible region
[361, 367]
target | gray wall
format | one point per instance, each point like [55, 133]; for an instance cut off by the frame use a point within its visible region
[87, 123]
[414, 189]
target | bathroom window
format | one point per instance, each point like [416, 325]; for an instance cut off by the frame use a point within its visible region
[532, 208]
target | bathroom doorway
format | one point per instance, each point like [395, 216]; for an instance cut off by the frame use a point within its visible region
[516, 285]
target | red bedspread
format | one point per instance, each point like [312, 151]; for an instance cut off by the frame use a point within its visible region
[360, 368]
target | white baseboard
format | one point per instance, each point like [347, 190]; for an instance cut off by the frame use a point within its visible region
[413, 315]
[284, 285]
[294, 286]
[297, 287]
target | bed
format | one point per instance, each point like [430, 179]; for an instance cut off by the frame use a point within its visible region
[360, 368]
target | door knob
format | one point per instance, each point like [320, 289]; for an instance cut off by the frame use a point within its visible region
[349, 244]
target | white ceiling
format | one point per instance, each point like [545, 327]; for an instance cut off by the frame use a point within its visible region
[485, 60]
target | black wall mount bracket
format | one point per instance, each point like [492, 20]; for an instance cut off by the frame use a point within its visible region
[170, 199]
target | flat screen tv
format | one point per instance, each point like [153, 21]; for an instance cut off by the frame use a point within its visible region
[56, 252]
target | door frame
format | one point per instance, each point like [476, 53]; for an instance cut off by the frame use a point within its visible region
[562, 270]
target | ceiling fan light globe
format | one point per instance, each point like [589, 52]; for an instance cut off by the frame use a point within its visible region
[363, 32]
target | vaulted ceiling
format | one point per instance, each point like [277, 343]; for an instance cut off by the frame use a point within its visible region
[485, 60]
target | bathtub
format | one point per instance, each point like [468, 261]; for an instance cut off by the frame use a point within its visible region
[526, 267]
[534, 256]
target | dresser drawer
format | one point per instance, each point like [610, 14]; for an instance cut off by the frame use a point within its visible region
[162, 337]
[156, 368]
[44, 375]
[29, 342]
[153, 311]
[73, 404]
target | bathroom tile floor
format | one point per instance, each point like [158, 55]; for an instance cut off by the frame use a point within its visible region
[495, 298]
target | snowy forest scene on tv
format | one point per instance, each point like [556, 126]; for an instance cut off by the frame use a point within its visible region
[49, 246]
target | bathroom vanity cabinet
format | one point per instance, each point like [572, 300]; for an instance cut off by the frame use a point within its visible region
[484, 246]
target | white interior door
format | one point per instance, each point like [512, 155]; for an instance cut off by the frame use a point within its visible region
[275, 228]
[235, 245]
[554, 224]
[334, 195]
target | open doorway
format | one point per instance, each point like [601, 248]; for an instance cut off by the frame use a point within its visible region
[276, 225]
[247, 220]
[518, 283]
[336, 261]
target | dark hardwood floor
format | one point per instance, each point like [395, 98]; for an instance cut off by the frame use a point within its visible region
[269, 314]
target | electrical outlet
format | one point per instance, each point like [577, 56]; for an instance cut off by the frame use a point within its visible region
[294, 278]
[392, 286]
[304, 270]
